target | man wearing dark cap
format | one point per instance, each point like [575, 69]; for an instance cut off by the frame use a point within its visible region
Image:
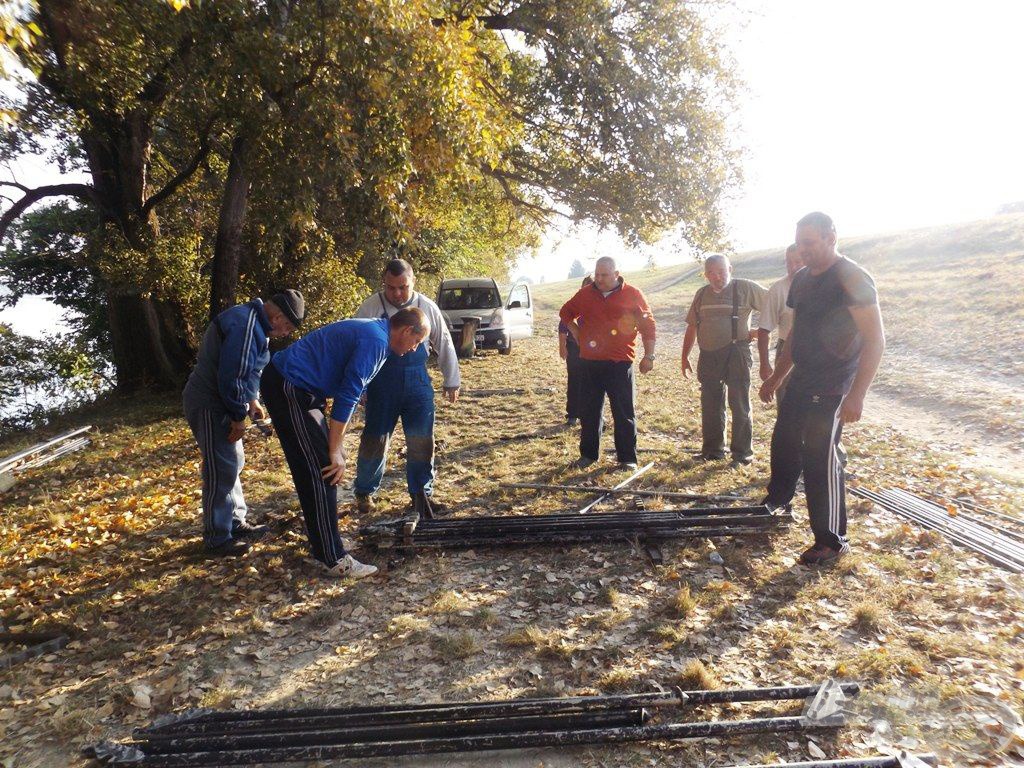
[220, 393]
[336, 361]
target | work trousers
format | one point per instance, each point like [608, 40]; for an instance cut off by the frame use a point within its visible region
[724, 376]
[781, 391]
[221, 467]
[807, 438]
[573, 379]
[405, 393]
[615, 379]
[301, 425]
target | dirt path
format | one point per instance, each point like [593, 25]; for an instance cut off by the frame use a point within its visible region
[940, 430]
[971, 412]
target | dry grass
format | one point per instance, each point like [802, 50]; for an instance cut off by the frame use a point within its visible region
[106, 543]
[695, 676]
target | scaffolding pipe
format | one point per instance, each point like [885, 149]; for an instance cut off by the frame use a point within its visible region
[646, 492]
[283, 733]
[618, 487]
[855, 762]
[130, 754]
[419, 713]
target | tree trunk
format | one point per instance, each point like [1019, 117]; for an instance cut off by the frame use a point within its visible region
[227, 251]
[149, 348]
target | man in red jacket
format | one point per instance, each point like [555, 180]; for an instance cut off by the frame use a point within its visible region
[604, 318]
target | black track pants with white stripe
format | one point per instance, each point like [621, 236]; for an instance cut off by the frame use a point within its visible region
[807, 438]
[301, 425]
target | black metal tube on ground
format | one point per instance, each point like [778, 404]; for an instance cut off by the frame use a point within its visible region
[855, 762]
[610, 526]
[529, 739]
[647, 492]
[271, 733]
[421, 713]
[569, 539]
[636, 519]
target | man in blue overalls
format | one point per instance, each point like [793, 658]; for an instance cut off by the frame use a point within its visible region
[403, 389]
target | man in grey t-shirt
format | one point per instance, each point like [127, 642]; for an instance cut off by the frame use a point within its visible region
[719, 322]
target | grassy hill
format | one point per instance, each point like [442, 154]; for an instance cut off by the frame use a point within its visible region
[105, 543]
[952, 300]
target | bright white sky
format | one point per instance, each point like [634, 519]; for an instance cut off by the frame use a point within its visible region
[885, 114]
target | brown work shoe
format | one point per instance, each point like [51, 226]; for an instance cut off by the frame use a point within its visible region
[823, 554]
[364, 504]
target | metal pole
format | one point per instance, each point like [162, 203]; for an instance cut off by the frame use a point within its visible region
[419, 713]
[856, 762]
[284, 733]
[984, 510]
[647, 492]
[942, 512]
[618, 487]
[965, 527]
[15, 458]
[528, 739]
[952, 535]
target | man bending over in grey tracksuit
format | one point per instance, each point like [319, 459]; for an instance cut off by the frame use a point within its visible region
[220, 393]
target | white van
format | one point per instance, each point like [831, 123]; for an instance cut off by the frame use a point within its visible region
[498, 323]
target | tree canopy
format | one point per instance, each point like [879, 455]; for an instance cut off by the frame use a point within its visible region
[234, 147]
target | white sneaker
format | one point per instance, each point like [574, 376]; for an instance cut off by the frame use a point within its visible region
[349, 567]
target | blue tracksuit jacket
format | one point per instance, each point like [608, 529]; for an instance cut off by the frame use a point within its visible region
[336, 361]
[233, 353]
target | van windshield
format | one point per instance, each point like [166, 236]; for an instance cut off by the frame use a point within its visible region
[470, 298]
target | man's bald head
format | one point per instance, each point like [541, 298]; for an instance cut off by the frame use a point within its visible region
[718, 271]
[606, 274]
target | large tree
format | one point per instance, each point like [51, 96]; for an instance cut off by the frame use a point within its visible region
[238, 146]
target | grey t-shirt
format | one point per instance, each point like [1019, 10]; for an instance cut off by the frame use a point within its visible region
[712, 313]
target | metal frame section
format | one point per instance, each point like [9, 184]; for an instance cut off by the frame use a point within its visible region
[38, 644]
[995, 547]
[899, 761]
[646, 492]
[212, 721]
[618, 487]
[563, 529]
[137, 754]
[53, 448]
[204, 737]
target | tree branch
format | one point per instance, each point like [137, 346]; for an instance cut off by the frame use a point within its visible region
[81, 191]
[184, 174]
[539, 213]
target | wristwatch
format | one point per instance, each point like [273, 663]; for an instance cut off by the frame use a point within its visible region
[649, 357]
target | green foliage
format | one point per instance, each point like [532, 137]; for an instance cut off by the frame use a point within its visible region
[41, 376]
[446, 132]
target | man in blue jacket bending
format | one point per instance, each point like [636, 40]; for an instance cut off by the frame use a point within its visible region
[335, 361]
[220, 393]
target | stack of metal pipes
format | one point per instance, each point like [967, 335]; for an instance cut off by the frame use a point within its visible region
[1001, 543]
[703, 522]
[45, 452]
[253, 737]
